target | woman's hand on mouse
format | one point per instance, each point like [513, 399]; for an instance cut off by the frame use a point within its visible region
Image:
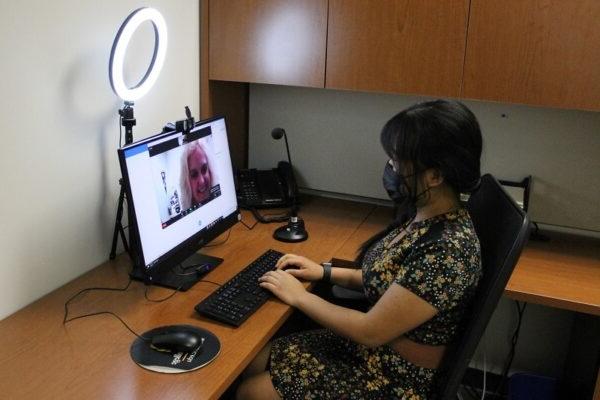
[283, 285]
[300, 267]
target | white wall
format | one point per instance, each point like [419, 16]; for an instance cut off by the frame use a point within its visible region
[60, 130]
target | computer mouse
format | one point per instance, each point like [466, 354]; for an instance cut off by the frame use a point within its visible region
[175, 342]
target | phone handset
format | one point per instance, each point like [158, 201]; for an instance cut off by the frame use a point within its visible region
[284, 169]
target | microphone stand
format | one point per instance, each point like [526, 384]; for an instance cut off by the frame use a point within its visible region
[294, 230]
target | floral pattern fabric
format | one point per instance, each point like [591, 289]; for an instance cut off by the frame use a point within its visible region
[438, 259]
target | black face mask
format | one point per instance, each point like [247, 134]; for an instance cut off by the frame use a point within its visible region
[394, 185]
[397, 188]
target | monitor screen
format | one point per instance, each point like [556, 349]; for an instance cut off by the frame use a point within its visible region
[182, 191]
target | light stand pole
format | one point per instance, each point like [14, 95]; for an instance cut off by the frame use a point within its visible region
[128, 122]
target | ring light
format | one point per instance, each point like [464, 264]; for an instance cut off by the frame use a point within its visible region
[119, 48]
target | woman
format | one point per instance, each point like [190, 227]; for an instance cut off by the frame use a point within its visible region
[418, 275]
[196, 175]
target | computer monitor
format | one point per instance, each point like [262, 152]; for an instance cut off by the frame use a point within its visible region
[181, 195]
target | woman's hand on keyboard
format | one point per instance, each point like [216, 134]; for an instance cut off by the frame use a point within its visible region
[283, 285]
[300, 267]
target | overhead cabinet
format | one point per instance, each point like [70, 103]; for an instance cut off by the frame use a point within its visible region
[397, 46]
[268, 41]
[538, 52]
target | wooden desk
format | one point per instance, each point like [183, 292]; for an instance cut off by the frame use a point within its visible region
[562, 273]
[89, 358]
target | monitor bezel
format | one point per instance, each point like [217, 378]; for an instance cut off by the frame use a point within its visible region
[190, 245]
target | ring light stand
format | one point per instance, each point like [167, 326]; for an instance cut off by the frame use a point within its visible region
[129, 95]
[127, 121]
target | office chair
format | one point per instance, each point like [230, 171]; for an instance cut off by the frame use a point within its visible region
[503, 229]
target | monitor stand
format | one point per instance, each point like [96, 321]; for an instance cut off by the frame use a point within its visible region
[181, 276]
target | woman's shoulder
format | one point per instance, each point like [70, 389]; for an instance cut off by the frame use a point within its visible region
[452, 230]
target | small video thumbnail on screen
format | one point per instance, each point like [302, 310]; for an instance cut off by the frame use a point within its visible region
[185, 177]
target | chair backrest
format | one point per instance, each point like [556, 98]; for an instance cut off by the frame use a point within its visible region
[503, 229]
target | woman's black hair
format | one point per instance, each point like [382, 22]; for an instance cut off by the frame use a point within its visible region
[439, 134]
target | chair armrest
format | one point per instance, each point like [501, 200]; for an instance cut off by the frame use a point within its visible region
[342, 296]
[340, 292]
[341, 263]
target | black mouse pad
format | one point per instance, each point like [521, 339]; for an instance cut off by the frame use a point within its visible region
[174, 363]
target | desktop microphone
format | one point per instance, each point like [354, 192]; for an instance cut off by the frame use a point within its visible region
[277, 133]
[294, 230]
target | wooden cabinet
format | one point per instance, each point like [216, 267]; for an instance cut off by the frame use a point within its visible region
[268, 41]
[539, 52]
[397, 46]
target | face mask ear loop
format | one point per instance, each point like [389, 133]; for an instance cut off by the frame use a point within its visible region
[414, 196]
[422, 193]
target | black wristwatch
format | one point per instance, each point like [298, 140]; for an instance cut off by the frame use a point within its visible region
[326, 272]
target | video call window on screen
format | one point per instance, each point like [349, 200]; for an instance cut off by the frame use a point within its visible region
[185, 176]
[181, 189]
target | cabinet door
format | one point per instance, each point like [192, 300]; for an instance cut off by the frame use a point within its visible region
[398, 46]
[268, 41]
[540, 52]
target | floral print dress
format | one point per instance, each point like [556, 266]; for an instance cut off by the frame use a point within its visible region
[439, 261]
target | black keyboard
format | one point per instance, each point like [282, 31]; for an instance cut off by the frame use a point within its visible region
[241, 296]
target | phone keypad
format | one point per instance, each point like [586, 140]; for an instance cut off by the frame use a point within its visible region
[249, 190]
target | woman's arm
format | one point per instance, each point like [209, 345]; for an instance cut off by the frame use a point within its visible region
[397, 311]
[303, 268]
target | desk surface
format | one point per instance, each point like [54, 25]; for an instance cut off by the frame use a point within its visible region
[562, 273]
[89, 358]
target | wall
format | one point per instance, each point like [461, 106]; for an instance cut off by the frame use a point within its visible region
[334, 143]
[61, 130]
